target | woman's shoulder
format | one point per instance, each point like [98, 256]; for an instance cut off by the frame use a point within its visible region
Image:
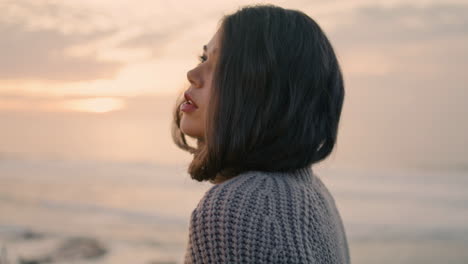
[258, 207]
[234, 190]
[252, 188]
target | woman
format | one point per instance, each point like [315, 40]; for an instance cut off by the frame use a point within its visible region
[263, 105]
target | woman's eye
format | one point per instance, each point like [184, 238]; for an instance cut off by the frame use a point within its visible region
[202, 58]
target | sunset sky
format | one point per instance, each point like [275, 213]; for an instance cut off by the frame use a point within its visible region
[71, 62]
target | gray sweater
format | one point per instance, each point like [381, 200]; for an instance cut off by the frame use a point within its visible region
[267, 217]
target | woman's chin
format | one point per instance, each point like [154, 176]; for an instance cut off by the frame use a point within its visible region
[190, 132]
[186, 127]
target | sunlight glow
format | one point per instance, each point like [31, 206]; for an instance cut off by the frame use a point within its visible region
[94, 105]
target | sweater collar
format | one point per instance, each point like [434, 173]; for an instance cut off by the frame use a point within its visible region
[304, 174]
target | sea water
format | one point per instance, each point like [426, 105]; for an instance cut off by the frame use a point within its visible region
[140, 211]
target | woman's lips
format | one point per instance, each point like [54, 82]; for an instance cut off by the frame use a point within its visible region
[189, 98]
[187, 107]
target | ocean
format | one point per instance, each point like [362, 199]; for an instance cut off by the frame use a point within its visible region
[139, 211]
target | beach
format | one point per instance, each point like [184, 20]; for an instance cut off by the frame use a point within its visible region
[65, 211]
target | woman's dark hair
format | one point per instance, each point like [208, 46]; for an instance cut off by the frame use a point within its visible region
[276, 98]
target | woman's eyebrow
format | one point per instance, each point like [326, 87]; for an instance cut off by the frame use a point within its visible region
[204, 48]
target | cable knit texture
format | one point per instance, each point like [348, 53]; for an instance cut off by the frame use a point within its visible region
[267, 217]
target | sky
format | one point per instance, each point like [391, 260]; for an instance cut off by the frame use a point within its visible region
[99, 73]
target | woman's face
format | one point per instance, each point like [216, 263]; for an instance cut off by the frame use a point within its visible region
[192, 122]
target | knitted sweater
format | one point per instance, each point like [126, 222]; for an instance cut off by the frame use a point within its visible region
[267, 217]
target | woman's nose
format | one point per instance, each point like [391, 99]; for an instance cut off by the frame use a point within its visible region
[194, 79]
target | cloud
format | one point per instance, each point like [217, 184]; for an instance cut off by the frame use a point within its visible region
[82, 41]
[152, 42]
[427, 41]
[41, 55]
[377, 24]
[40, 39]
[404, 68]
[72, 17]
[144, 40]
